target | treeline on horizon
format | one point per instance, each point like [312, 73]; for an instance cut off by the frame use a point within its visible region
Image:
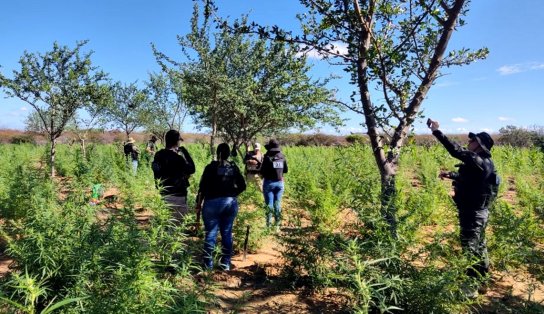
[509, 135]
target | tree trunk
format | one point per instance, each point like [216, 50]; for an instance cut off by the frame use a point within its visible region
[212, 137]
[388, 199]
[83, 150]
[52, 156]
[246, 146]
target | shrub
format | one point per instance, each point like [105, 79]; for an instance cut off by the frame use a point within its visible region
[23, 139]
[521, 137]
[356, 139]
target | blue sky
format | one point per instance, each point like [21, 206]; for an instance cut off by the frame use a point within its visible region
[504, 89]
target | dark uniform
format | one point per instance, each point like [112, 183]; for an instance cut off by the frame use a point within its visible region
[475, 185]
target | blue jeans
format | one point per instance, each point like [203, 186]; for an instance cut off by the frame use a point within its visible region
[273, 191]
[218, 215]
[134, 166]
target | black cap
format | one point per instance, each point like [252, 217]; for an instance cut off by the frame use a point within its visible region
[273, 146]
[484, 139]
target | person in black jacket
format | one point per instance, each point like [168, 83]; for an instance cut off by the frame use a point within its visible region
[475, 186]
[172, 167]
[273, 168]
[220, 185]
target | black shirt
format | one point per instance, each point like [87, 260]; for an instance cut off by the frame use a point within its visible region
[221, 180]
[173, 171]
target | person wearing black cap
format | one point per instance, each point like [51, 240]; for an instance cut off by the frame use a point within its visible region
[475, 186]
[220, 185]
[273, 168]
[172, 167]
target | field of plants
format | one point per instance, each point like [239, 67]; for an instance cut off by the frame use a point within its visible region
[122, 254]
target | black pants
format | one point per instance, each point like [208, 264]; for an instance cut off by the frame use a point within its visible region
[473, 223]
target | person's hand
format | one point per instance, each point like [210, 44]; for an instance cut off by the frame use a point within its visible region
[433, 125]
[444, 174]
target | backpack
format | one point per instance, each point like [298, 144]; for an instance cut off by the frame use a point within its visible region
[225, 174]
[129, 150]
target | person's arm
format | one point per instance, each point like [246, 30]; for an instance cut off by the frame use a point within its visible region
[240, 182]
[455, 150]
[264, 166]
[204, 182]
[190, 164]
[285, 165]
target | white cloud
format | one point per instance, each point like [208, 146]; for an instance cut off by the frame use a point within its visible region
[520, 67]
[23, 109]
[461, 130]
[336, 48]
[505, 119]
[447, 84]
[350, 130]
[509, 69]
[488, 130]
[459, 120]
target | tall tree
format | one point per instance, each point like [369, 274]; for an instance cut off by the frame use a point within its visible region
[56, 84]
[243, 86]
[88, 118]
[166, 107]
[394, 51]
[129, 108]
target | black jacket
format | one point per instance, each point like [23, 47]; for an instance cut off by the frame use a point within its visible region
[476, 179]
[221, 180]
[173, 171]
[274, 166]
[131, 150]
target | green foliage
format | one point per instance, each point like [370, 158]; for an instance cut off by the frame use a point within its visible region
[56, 84]
[166, 105]
[242, 86]
[129, 108]
[521, 137]
[23, 139]
[123, 255]
[356, 139]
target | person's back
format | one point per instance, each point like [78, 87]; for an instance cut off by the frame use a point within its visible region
[172, 167]
[272, 170]
[220, 184]
[130, 150]
[274, 166]
[221, 179]
[172, 170]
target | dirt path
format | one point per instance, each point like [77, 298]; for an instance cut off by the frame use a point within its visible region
[254, 286]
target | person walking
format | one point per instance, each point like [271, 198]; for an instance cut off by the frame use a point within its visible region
[131, 154]
[172, 167]
[273, 168]
[220, 184]
[151, 148]
[475, 185]
[253, 161]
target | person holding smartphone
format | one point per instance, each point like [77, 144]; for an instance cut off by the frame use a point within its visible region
[475, 185]
[172, 167]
